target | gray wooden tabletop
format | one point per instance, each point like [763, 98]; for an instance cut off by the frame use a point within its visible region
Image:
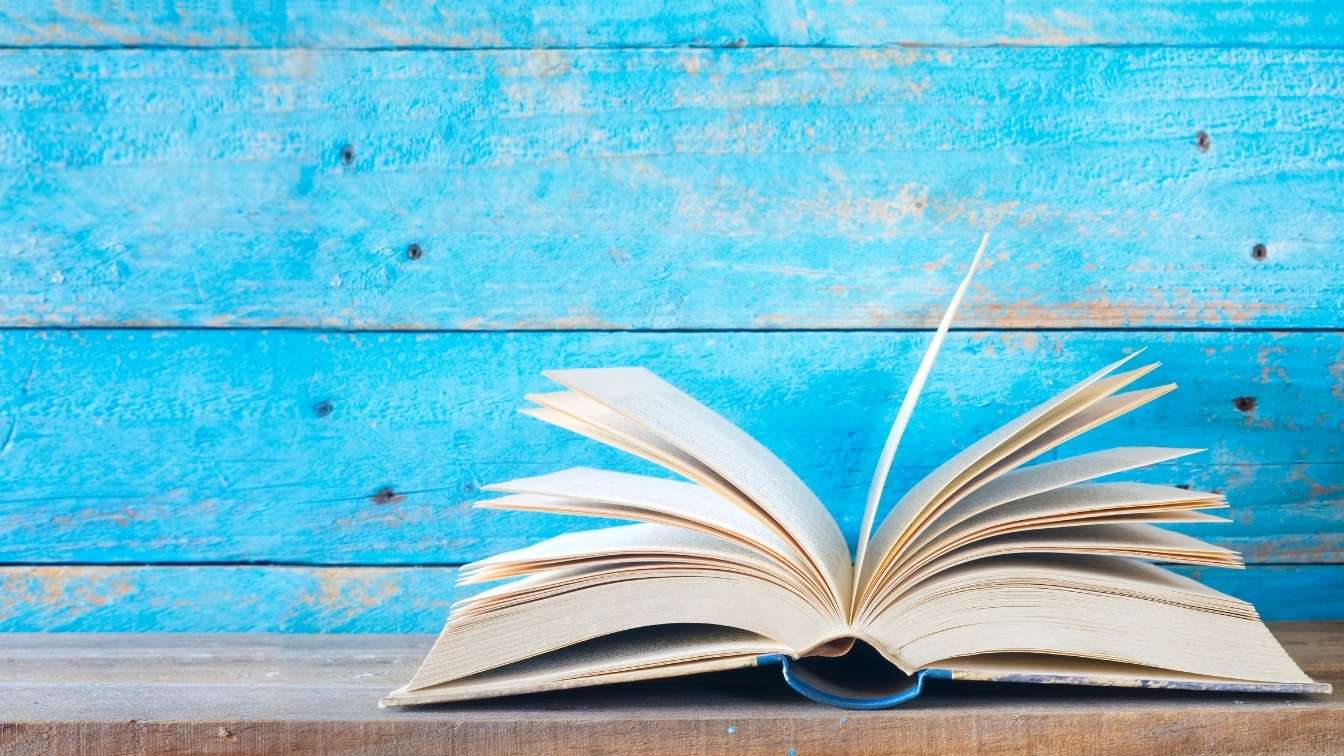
[179, 693]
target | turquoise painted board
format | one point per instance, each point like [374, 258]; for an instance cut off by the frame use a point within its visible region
[671, 189]
[185, 446]
[663, 23]
[765, 201]
[400, 599]
[225, 599]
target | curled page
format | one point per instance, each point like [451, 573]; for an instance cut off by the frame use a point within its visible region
[903, 418]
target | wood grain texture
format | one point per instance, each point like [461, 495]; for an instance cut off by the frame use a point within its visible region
[671, 189]
[297, 695]
[299, 599]
[661, 23]
[146, 446]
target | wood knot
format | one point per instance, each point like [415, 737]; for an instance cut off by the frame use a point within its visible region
[414, 252]
[386, 495]
[1202, 141]
[1244, 403]
[347, 155]
[322, 408]
[1259, 252]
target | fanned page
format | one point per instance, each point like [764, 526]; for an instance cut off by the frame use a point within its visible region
[673, 416]
[907, 408]
[953, 475]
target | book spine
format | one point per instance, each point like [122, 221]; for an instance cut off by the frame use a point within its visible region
[819, 690]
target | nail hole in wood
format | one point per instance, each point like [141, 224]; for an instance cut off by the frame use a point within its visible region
[386, 496]
[1259, 252]
[1202, 141]
[347, 155]
[322, 408]
[1244, 403]
[414, 252]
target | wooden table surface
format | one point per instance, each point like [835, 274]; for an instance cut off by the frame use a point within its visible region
[178, 693]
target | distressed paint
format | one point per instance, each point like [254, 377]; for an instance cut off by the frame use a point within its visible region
[751, 189]
[671, 189]
[663, 23]
[131, 446]
[402, 599]
[1280, 592]
[225, 599]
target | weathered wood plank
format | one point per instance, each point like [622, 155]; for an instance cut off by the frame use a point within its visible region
[500, 23]
[184, 446]
[296, 694]
[668, 189]
[63, 598]
[212, 599]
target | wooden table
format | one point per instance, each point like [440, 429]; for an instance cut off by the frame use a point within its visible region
[102, 693]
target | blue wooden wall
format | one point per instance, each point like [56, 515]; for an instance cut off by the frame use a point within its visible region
[231, 398]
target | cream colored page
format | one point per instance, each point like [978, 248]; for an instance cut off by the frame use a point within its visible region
[1077, 499]
[575, 580]
[687, 424]
[1134, 540]
[645, 653]
[1090, 607]
[1112, 628]
[790, 569]
[578, 557]
[644, 540]
[681, 500]
[912, 504]
[604, 419]
[903, 413]
[495, 638]
[1024, 482]
[467, 690]
[1138, 537]
[580, 414]
[1055, 506]
[1047, 476]
[1095, 414]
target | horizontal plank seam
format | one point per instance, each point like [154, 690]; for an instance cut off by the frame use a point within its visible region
[901, 329]
[686, 46]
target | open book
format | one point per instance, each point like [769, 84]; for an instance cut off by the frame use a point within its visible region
[990, 568]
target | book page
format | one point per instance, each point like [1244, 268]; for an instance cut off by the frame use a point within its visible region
[644, 497]
[491, 630]
[583, 415]
[1047, 476]
[903, 413]
[927, 493]
[685, 423]
[641, 654]
[1133, 540]
[651, 542]
[644, 542]
[1089, 503]
[1024, 482]
[1095, 607]
[1054, 505]
[612, 427]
